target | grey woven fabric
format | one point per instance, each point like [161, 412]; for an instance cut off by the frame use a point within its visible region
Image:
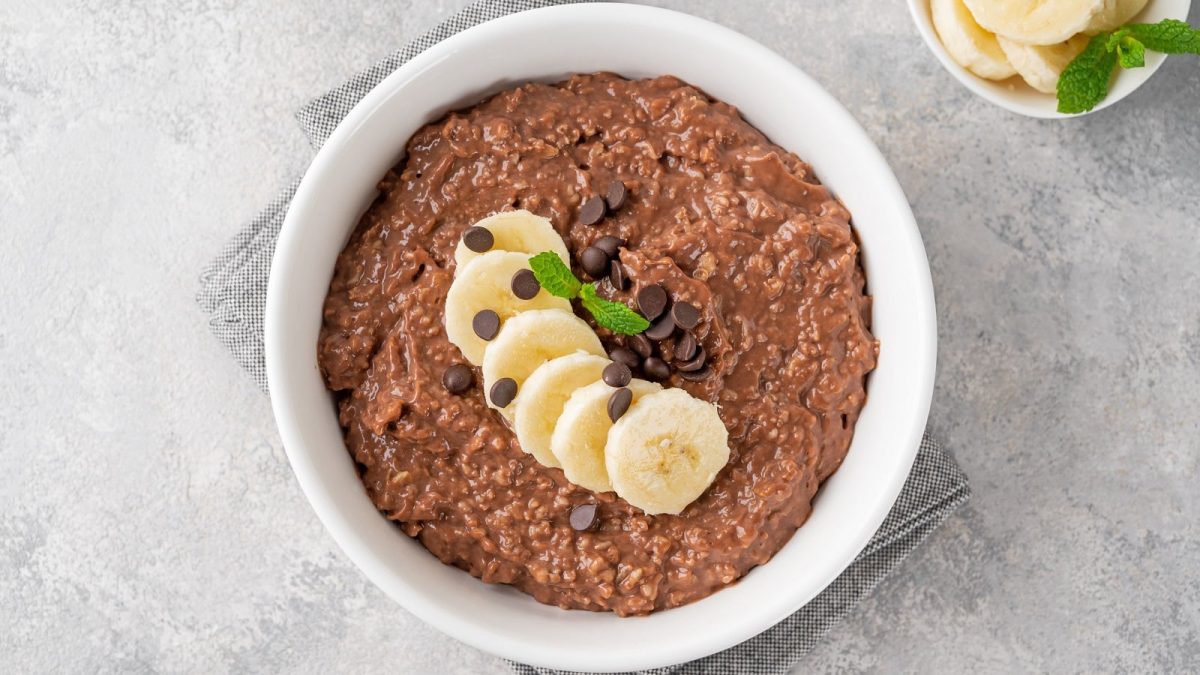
[233, 292]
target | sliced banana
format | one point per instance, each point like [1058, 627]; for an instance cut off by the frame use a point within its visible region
[665, 451]
[486, 283]
[530, 339]
[517, 231]
[969, 45]
[1040, 66]
[540, 401]
[1116, 13]
[582, 432]
[1036, 22]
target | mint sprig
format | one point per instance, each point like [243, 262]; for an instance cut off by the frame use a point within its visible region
[615, 316]
[1084, 82]
[554, 276]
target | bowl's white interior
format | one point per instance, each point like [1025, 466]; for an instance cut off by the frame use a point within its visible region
[635, 41]
[1013, 94]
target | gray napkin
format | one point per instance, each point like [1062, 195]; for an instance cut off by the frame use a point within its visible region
[233, 292]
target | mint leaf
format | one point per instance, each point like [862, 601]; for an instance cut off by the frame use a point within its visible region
[1168, 36]
[615, 316]
[1131, 53]
[1084, 82]
[554, 275]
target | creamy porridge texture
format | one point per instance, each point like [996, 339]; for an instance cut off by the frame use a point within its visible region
[712, 212]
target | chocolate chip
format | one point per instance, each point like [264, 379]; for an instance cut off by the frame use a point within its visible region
[615, 195]
[619, 402]
[486, 324]
[609, 244]
[594, 262]
[616, 276]
[696, 375]
[503, 392]
[686, 315]
[696, 362]
[525, 284]
[661, 329]
[685, 347]
[652, 300]
[624, 356]
[616, 374]
[592, 211]
[457, 378]
[583, 517]
[656, 369]
[479, 239]
[640, 344]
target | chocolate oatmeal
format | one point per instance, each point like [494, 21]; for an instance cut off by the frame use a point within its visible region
[753, 252]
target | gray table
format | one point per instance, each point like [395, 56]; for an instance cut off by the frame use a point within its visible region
[150, 519]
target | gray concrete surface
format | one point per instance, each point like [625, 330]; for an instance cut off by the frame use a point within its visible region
[150, 521]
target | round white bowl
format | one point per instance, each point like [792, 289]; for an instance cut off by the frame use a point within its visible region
[1014, 95]
[549, 44]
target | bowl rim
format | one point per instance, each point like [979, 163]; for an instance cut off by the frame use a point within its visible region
[1126, 82]
[284, 368]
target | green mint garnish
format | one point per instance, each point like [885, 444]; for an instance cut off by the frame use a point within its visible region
[1168, 36]
[554, 276]
[1084, 82]
[615, 316]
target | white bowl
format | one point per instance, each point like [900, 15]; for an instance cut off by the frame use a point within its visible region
[1013, 94]
[548, 44]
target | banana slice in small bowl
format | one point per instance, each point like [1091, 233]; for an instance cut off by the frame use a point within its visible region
[516, 231]
[1036, 40]
[541, 400]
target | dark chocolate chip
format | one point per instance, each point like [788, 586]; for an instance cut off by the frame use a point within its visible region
[583, 517]
[615, 195]
[640, 344]
[592, 211]
[479, 239]
[616, 374]
[696, 362]
[594, 262]
[652, 300]
[656, 369]
[685, 347]
[503, 392]
[616, 276]
[624, 356]
[696, 375]
[457, 378]
[686, 315]
[661, 329]
[609, 244]
[525, 285]
[486, 324]
[619, 402]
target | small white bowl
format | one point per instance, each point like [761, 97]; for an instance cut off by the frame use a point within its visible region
[1013, 94]
[547, 45]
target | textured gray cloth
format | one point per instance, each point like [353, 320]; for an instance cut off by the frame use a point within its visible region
[234, 290]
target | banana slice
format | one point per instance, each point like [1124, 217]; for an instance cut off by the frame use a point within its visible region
[1041, 66]
[969, 45]
[517, 231]
[582, 432]
[665, 451]
[1116, 13]
[530, 339]
[1036, 22]
[486, 283]
[540, 401]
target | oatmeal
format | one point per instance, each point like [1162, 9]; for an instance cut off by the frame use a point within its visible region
[755, 257]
